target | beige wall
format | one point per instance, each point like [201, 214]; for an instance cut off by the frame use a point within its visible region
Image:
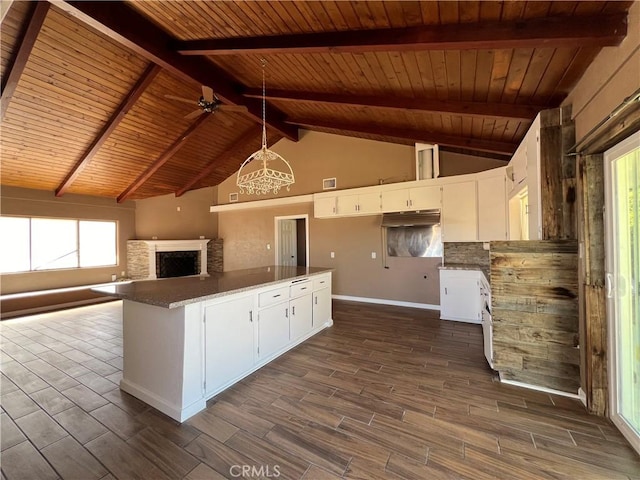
[613, 76]
[159, 216]
[246, 234]
[460, 164]
[354, 162]
[38, 203]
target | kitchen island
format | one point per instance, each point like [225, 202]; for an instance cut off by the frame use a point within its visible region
[187, 339]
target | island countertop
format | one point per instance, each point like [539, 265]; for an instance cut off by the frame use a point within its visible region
[180, 291]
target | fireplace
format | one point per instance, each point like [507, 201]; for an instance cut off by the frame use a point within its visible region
[177, 264]
[143, 258]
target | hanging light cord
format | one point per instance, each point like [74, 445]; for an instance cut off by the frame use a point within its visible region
[264, 107]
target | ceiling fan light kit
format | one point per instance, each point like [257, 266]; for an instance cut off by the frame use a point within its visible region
[254, 176]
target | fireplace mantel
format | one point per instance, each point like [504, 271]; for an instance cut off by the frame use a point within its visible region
[177, 246]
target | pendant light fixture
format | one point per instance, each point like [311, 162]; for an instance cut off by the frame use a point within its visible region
[258, 173]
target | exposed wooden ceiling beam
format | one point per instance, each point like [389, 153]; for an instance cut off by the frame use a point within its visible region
[5, 5]
[131, 29]
[132, 97]
[574, 32]
[163, 158]
[251, 134]
[476, 109]
[412, 135]
[14, 72]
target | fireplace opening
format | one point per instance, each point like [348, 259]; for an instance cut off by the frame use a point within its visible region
[177, 264]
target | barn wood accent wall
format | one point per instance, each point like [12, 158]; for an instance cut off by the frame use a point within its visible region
[593, 321]
[534, 290]
[557, 175]
[467, 254]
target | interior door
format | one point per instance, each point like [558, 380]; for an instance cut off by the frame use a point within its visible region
[287, 243]
[622, 214]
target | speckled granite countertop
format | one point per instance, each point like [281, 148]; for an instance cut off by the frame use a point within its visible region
[177, 292]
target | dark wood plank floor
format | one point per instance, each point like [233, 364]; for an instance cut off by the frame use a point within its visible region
[386, 393]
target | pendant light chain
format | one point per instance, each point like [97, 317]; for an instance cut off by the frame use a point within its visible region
[264, 107]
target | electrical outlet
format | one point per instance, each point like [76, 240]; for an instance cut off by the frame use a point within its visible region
[373, 255]
[268, 246]
[333, 254]
[178, 209]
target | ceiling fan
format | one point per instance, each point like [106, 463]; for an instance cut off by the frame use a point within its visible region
[209, 103]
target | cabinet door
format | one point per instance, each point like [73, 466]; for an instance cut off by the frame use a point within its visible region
[459, 297]
[492, 209]
[369, 203]
[425, 198]
[459, 212]
[347, 204]
[324, 207]
[301, 316]
[229, 337]
[321, 306]
[273, 329]
[395, 200]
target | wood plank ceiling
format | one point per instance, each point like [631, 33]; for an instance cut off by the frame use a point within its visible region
[84, 84]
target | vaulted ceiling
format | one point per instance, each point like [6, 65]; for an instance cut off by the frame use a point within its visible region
[84, 84]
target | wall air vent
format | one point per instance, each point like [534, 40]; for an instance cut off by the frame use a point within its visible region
[233, 197]
[329, 183]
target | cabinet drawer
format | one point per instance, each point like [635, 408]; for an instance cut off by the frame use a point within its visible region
[300, 288]
[273, 296]
[321, 282]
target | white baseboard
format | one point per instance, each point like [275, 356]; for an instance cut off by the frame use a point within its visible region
[174, 411]
[539, 389]
[384, 301]
[582, 396]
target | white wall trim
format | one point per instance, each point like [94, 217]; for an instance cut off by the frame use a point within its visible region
[384, 301]
[539, 389]
[272, 202]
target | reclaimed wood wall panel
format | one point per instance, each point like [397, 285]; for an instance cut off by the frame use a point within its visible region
[594, 327]
[534, 292]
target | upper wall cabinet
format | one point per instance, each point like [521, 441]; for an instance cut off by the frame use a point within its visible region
[459, 212]
[411, 199]
[325, 206]
[363, 203]
[492, 208]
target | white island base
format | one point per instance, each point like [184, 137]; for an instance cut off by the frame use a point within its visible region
[175, 359]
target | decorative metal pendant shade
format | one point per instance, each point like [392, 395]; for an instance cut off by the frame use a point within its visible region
[257, 174]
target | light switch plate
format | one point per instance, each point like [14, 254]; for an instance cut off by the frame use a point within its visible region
[333, 254]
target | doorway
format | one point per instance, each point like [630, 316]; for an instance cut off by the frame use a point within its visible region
[622, 216]
[292, 240]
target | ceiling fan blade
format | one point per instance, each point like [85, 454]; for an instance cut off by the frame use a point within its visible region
[233, 108]
[207, 93]
[193, 114]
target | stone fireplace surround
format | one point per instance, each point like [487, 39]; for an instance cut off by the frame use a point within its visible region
[141, 255]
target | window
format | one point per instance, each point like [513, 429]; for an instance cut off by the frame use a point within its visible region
[31, 244]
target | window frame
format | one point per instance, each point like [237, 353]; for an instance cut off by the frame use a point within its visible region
[77, 226]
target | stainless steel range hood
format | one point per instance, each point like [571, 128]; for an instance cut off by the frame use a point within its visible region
[407, 219]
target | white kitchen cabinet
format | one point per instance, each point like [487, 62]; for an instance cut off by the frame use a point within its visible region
[301, 321]
[364, 203]
[461, 296]
[492, 209]
[229, 341]
[459, 212]
[273, 329]
[324, 207]
[412, 199]
[321, 306]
